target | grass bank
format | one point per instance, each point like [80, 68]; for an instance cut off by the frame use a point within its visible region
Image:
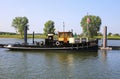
[43, 36]
[109, 37]
[29, 36]
[18, 36]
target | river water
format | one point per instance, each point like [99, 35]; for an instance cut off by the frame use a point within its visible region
[59, 64]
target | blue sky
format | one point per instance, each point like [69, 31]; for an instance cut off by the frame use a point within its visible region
[68, 11]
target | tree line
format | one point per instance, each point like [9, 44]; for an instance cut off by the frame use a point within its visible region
[89, 23]
[7, 33]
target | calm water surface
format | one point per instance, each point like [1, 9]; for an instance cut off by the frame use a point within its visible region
[59, 64]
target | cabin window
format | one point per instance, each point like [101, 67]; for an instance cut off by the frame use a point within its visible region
[83, 39]
[65, 34]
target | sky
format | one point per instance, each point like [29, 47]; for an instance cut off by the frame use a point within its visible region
[68, 11]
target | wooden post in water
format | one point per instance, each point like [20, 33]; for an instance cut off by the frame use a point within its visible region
[25, 35]
[33, 37]
[105, 37]
[104, 47]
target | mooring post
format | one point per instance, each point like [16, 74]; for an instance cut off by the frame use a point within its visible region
[33, 37]
[105, 37]
[104, 47]
[25, 35]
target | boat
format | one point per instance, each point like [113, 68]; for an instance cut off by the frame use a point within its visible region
[65, 41]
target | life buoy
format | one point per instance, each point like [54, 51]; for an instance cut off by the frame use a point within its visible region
[41, 43]
[57, 43]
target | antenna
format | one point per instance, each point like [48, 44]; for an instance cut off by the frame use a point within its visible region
[63, 27]
[87, 13]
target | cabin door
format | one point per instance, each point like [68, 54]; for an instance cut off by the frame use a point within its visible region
[65, 38]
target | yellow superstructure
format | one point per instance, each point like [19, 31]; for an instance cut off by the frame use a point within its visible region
[64, 36]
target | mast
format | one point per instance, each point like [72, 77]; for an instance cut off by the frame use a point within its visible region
[88, 21]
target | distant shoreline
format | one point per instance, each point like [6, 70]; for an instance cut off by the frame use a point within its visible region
[43, 37]
[18, 36]
[109, 37]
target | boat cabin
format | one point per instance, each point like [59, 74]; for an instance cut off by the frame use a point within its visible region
[64, 36]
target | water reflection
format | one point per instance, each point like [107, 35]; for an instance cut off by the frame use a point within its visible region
[104, 55]
[50, 64]
[45, 64]
[56, 65]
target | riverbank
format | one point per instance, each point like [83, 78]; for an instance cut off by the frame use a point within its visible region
[18, 36]
[108, 37]
[43, 36]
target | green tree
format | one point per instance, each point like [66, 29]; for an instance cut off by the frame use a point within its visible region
[99, 34]
[90, 25]
[19, 23]
[49, 27]
[109, 34]
[116, 34]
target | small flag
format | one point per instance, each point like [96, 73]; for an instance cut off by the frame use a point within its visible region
[88, 20]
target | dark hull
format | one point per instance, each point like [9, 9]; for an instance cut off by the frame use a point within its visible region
[86, 48]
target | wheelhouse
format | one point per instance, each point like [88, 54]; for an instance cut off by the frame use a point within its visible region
[64, 36]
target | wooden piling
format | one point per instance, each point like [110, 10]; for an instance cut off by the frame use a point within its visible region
[104, 47]
[33, 37]
[105, 37]
[25, 35]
